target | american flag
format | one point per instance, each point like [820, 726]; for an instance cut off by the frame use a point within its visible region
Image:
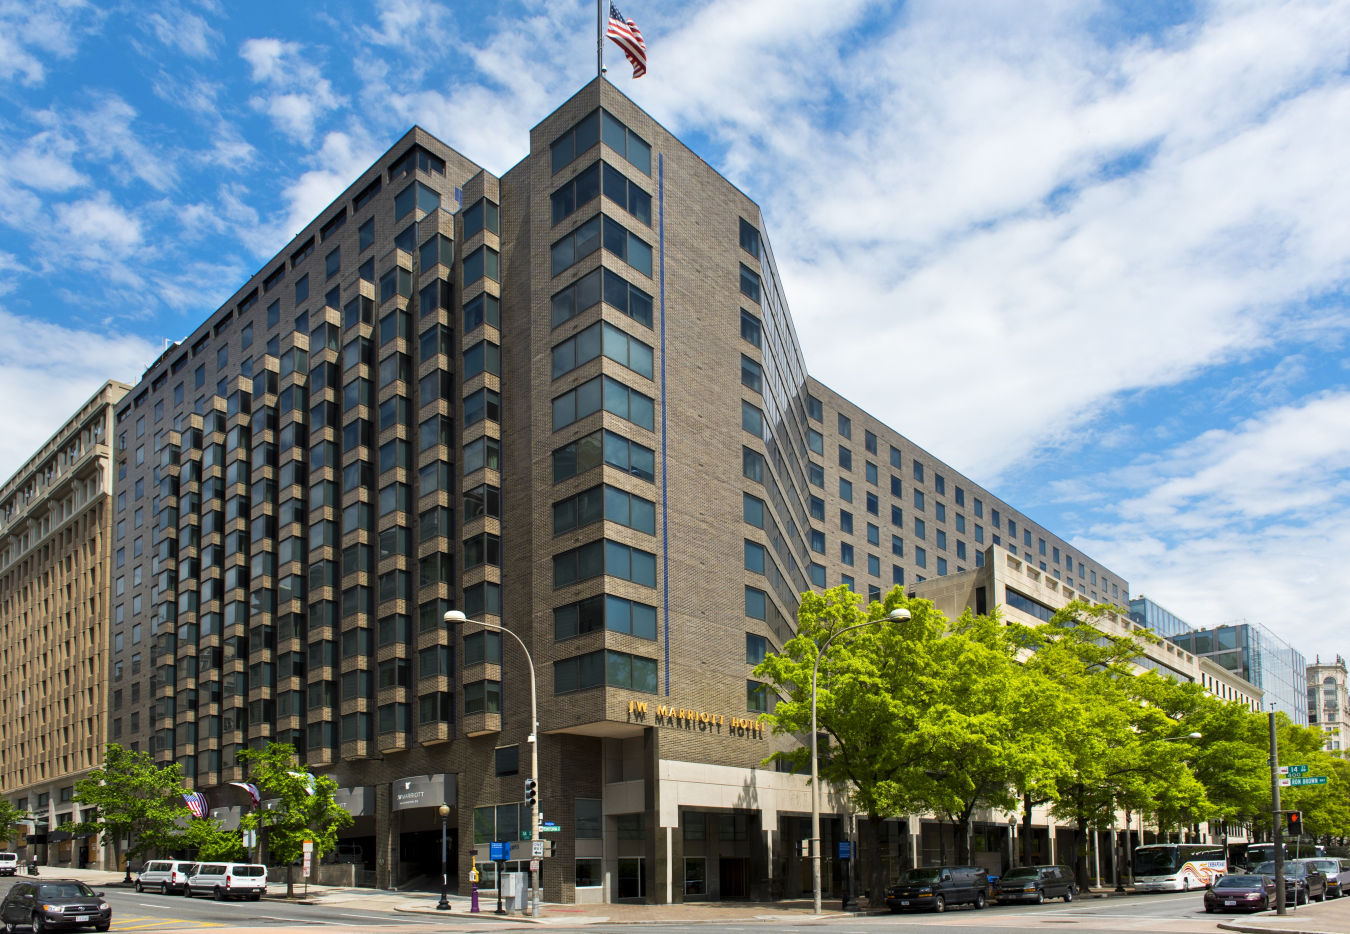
[251, 788]
[196, 802]
[629, 38]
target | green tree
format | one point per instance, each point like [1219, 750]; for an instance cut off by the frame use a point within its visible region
[876, 687]
[211, 841]
[997, 725]
[306, 809]
[9, 816]
[1115, 741]
[135, 799]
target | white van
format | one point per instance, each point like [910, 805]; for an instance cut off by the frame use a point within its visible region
[224, 881]
[9, 864]
[166, 875]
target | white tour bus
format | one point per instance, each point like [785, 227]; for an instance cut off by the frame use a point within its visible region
[1177, 867]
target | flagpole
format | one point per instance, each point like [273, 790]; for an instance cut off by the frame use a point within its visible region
[599, 38]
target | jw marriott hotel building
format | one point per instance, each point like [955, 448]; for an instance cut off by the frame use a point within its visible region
[569, 400]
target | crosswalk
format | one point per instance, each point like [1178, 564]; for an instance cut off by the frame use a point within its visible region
[146, 922]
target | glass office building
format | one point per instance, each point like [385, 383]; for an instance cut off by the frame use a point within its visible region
[1260, 657]
[1166, 624]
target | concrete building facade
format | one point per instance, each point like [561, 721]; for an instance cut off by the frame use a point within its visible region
[569, 400]
[63, 548]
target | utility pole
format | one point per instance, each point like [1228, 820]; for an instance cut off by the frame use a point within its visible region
[1275, 815]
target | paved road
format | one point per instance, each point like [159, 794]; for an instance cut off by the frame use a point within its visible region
[137, 912]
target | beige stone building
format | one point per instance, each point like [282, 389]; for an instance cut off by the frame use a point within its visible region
[59, 529]
[570, 399]
[1329, 703]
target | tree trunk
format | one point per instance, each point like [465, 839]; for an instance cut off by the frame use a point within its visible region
[876, 870]
[942, 842]
[290, 881]
[1026, 829]
[963, 841]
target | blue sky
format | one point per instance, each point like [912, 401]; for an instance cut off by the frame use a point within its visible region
[1093, 254]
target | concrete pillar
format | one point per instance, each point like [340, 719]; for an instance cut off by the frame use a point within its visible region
[386, 841]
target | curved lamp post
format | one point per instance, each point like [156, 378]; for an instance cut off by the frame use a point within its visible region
[456, 616]
[897, 615]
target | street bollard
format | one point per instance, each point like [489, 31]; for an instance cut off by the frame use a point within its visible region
[473, 895]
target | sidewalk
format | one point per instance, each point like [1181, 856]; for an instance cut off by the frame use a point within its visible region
[687, 913]
[1329, 917]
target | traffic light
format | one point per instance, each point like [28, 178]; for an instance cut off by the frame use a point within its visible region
[531, 792]
[1295, 823]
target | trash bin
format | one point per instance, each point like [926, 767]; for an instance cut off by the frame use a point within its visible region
[515, 890]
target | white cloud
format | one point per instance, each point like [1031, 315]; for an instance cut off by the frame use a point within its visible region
[109, 136]
[1248, 522]
[47, 371]
[299, 96]
[185, 31]
[30, 32]
[957, 197]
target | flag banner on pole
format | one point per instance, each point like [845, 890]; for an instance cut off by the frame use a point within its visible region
[197, 803]
[628, 37]
[252, 790]
[307, 778]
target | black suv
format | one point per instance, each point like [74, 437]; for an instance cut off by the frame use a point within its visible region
[1035, 884]
[61, 904]
[1302, 882]
[935, 887]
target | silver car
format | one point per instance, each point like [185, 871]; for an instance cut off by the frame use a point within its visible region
[1337, 872]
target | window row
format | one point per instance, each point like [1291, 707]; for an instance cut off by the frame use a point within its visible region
[604, 611]
[604, 557]
[604, 502]
[602, 337]
[607, 393]
[597, 286]
[605, 667]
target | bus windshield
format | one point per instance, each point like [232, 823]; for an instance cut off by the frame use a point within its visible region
[1155, 862]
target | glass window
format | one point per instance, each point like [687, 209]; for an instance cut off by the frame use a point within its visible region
[749, 238]
[756, 648]
[481, 215]
[572, 248]
[482, 262]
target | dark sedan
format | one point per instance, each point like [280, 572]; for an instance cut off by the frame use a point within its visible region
[1241, 893]
[58, 905]
[1302, 883]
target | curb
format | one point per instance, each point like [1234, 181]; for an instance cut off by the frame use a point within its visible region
[1258, 929]
[480, 916]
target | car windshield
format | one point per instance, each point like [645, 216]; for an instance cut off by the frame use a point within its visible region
[65, 890]
[1021, 872]
[1240, 882]
[1290, 869]
[921, 875]
[1155, 862]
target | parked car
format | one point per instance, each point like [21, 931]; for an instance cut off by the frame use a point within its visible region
[9, 864]
[1302, 883]
[1035, 884]
[166, 875]
[1337, 872]
[1241, 893]
[224, 881]
[936, 887]
[57, 905]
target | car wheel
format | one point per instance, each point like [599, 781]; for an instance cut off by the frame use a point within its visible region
[1323, 896]
[164, 888]
[255, 896]
[1185, 883]
[1040, 898]
[895, 911]
[39, 924]
[1209, 909]
[939, 903]
[187, 891]
[979, 901]
[217, 894]
[139, 887]
[100, 927]
[1068, 894]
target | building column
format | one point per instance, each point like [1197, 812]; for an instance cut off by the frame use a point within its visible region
[386, 846]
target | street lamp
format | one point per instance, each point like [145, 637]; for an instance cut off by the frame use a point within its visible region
[455, 616]
[444, 903]
[897, 615]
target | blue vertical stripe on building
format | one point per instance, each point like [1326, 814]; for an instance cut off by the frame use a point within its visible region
[665, 473]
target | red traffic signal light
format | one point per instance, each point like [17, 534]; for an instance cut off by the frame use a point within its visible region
[1294, 823]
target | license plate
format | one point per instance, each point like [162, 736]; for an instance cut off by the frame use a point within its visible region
[904, 904]
[1230, 902]
[81, 917]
